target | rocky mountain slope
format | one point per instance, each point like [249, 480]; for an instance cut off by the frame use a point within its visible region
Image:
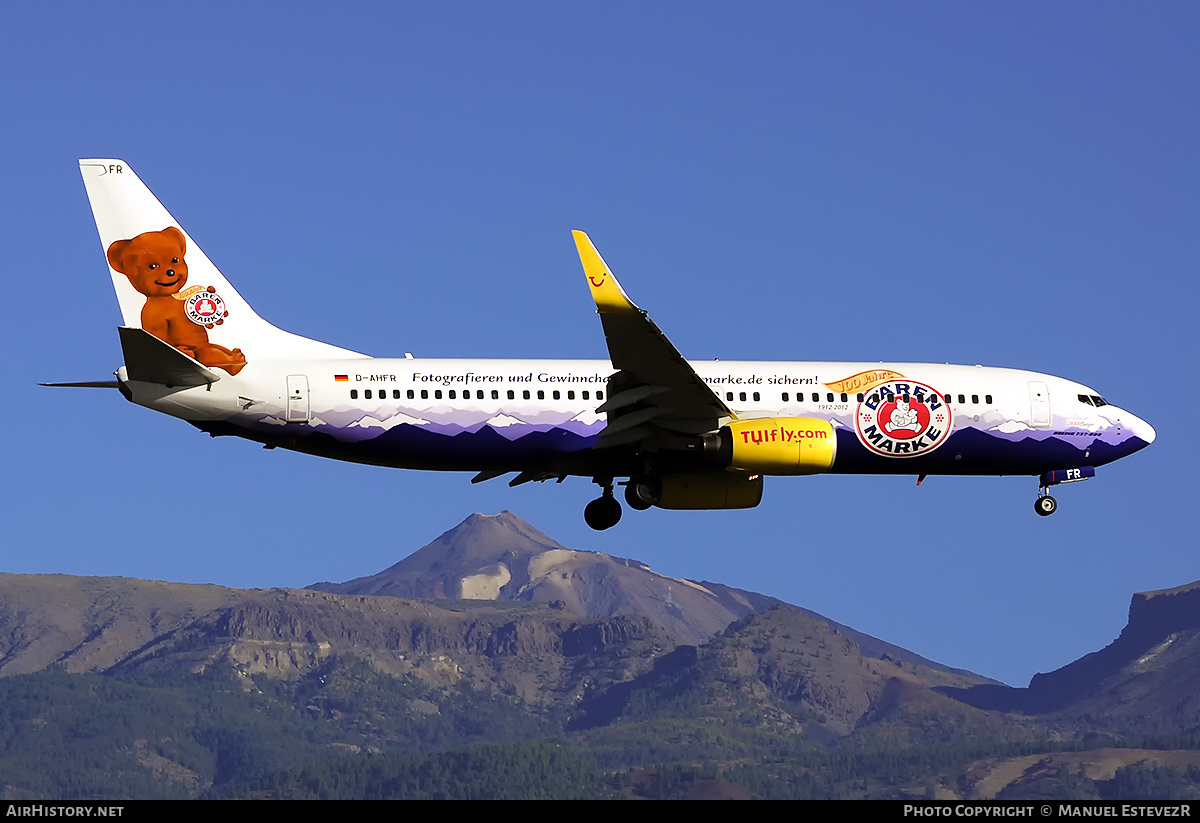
[519, 638]
[784, 672]
[1148, 678]
[505, 558]
[501, 557]
[122, 626]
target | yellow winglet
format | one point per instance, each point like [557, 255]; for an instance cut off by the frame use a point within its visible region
[610, 297]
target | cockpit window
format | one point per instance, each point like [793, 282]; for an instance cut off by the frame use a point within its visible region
[1098, 400]
[1085, 400]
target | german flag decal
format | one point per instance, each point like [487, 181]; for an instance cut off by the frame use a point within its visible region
[341, 378]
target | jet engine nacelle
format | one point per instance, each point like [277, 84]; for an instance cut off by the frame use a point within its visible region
[710, 490]
[775, 445]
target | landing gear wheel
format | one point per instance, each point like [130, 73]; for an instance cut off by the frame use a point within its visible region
[1045, 505]
[641, 494]
[603, 512]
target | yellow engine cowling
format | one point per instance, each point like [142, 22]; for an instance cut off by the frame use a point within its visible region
[710, 490]
[779, 445]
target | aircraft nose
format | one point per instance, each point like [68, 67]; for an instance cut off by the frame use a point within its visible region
[1142, 429]
[1138, 427]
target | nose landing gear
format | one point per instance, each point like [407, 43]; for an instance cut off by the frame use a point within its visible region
[1045, 505]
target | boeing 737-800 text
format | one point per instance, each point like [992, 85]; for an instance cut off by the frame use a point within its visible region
[686, 435]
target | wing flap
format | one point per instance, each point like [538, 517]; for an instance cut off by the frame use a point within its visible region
[629, 398]
[638, 434]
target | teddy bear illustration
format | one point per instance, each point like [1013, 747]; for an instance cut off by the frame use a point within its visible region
[902, 418]
[153, 262]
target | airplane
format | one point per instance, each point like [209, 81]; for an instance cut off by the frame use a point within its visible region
[683, 434]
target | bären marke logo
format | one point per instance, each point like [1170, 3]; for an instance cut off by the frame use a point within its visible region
[903, 418]
[206, 308]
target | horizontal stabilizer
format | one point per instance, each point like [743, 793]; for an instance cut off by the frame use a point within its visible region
[87, 384]
[150, 360]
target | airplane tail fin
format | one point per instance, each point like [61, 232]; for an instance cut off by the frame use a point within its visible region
[167, 286]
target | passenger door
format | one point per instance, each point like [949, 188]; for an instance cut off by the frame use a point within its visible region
[297, 399]
[1039, 404]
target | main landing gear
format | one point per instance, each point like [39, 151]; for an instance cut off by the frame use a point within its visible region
[642, 493]
[604, 512]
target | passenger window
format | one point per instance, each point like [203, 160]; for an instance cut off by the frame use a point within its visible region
[354, 394]
[947, 399]
[729, 396]
[742, 396]
[424, 394]
[585, 395]
[844, 397]
[962, 400]
[479, 394]
[756, 397]
[975, 399]
[525, 394]
[829, 397]
[555, 394]
[599, 395]
[816, 397]
[541, 395]
[785, 397]
[570, 395]
[495, 394]
[396, 394]
[411, 394]
[512, 395]
[437, 394]
[367, 394]
[987, 398]
[860, 397]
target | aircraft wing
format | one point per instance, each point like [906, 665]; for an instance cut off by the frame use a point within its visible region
[655, 395]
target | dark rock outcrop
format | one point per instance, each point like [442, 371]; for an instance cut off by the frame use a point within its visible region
[1150, 670]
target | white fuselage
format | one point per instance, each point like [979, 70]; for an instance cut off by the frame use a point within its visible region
[541, 414]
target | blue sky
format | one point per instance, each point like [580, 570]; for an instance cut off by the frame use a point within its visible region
[1008, 184]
